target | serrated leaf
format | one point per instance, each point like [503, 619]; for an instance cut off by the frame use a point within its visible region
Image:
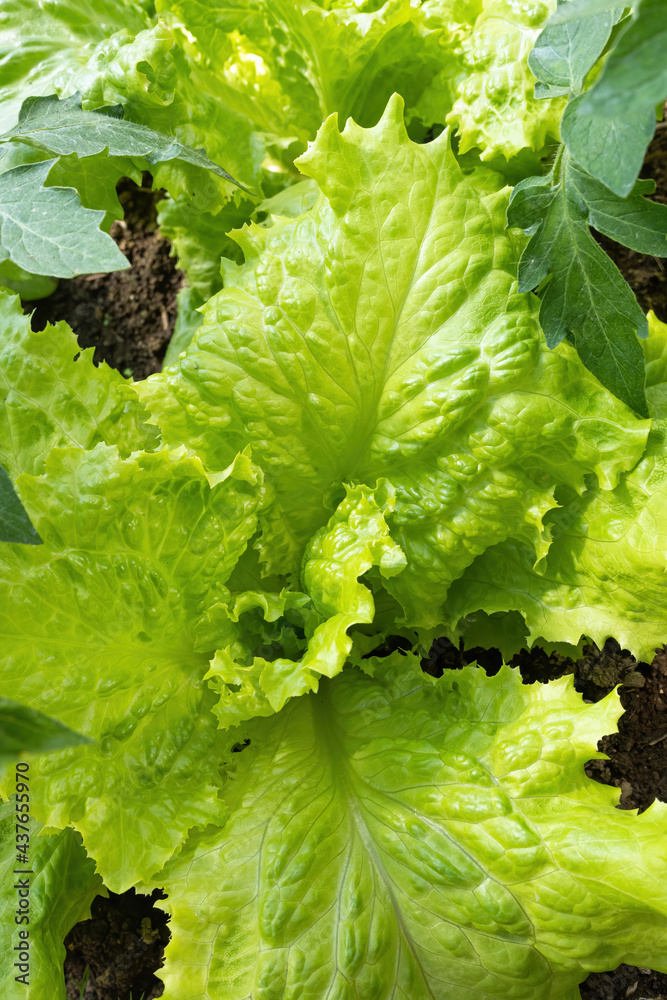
[46, 230]
[22, 730]
[635, 76]
[564, 53]
[586, 297]
[634, 221]
[15, 525]
[61, 126]
[611, 149]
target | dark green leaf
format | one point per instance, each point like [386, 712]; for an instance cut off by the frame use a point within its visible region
[586, 298]
[46, 230]
[530, 203]
[23, 730]
[635, 76]
[611, 149]
[584, 8]
[15, 524]
[61, 126]
[564, 53]
[632, 221]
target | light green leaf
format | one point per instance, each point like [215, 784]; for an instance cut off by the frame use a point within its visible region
[49, 46]
[380, 335]
[46, 230]
[15, 524]
[289, 53]
[199, 239]
[24, 730]
[61, 126]
[356, 539]
[291, 201]
[496, 108]
[188, 321]
[52, 395]
[114, 52]
[604, 574]
[399, 838]
[63, 884]
[98, 628]
[586, 297]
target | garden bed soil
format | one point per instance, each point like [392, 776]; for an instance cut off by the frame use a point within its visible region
[129, 317]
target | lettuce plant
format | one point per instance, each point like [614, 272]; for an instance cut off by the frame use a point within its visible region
[368, 436]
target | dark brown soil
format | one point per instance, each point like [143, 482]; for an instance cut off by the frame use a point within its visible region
[116, 952]
[128, 316]
[647, 276]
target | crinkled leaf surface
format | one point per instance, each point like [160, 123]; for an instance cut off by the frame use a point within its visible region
[44, 45]
[379, 335]
[289, 51]
[46, 230]
[355, 539]
[496, 108]
[605, 571]
[98, 628]
[199, 239]
[52, 395]
[63, 884]
[396, 837]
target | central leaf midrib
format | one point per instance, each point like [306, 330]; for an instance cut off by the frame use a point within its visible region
[323, 710]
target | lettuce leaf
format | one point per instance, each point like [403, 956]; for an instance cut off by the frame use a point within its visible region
[604, 574]
[396, 837]
[495, 107]
[380, 335]
[52, 395]
[63, 884]
[355, 539]
[98, 628]
[288, 52]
